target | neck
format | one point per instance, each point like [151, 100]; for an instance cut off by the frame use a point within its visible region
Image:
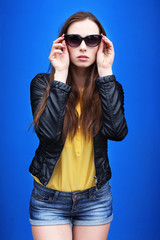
[79, 76]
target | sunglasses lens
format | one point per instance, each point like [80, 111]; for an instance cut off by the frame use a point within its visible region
[93, 40]
[73, 40]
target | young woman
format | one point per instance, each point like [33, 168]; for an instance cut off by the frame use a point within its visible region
[76, 109]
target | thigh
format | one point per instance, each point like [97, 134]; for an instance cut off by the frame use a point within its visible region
[91, 232]
[56, 232]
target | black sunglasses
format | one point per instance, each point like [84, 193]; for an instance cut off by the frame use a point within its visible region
[74, 40]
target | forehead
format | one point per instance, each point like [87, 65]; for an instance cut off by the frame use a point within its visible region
[83, 28]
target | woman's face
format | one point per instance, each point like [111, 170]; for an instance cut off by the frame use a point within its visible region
[83, 55]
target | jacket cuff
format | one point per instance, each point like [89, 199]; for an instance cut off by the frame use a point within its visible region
[63, 86]
[105, 79]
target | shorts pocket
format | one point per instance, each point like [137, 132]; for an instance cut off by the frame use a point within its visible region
[103, 192]
[40, 196]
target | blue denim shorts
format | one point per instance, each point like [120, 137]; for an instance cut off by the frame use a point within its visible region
[87, 207]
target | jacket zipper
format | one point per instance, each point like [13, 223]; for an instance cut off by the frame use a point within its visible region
[95, 177]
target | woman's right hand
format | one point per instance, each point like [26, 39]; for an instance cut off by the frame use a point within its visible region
[59, 58]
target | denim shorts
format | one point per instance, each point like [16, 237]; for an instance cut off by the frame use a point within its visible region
[87, 207]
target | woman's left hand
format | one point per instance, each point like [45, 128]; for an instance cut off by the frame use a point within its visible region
[105, 57]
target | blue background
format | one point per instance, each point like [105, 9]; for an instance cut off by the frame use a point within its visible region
[27, 30]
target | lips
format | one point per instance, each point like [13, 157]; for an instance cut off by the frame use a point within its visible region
[83, 58]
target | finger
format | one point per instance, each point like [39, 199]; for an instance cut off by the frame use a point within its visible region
[108, 48]
[65, 50]
[107, 41]
[60, 39]
[105, 37]
[54, 54]
[57, 51]
[58, 45]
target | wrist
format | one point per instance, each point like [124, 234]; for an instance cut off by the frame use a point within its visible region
[61, 76]
[105, 72]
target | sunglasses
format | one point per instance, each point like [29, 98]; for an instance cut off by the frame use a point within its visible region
[74, 40]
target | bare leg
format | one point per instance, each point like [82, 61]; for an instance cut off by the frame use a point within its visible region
[56, 232]
[91, 232]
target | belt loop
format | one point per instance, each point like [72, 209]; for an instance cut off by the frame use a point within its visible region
[55, 195]
[90, 193]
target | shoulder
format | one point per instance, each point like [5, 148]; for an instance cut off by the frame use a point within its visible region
[41, 77]
[41, 80]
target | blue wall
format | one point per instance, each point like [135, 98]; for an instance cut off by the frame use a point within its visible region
[27, 30]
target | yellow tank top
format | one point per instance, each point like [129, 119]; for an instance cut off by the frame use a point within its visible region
[75, 168]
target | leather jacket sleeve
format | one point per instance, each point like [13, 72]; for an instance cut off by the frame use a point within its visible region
[114, 125]
[51, 120]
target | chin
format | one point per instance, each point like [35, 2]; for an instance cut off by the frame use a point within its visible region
[83, 64]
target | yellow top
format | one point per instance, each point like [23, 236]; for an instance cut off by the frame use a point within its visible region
[75, 169]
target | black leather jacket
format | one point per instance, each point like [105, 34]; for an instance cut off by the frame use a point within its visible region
[49, 129]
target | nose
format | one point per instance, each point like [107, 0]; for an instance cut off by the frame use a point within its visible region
[83, 45]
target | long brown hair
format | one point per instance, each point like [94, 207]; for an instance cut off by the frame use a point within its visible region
[91, 112]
